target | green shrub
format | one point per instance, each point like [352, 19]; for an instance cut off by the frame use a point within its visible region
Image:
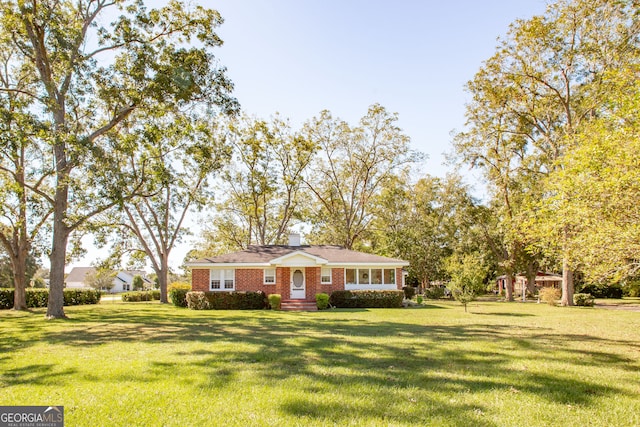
[178, 293]
[38, 298]
[197, 301]
[230, 300]
[583, 300]
[6, 298]
[409, 292]
[178, 296]
[603, 291]
[549, 295]
[179, 285]
[366, 299]
[80, 296]
[130, 297]
[434, 293]
[138, 296]
[632, 288]
[419, 299]
[322, 301]
[275, 301]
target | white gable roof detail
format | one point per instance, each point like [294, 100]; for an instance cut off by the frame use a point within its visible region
[298, 259]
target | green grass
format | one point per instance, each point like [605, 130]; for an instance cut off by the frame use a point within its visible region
[501, 364]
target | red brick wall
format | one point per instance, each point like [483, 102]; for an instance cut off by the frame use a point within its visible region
[284, 282]
[252, 279]
[200, 279]
[312, 278]
[337, 282]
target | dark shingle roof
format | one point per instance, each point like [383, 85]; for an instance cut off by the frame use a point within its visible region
[265, 254]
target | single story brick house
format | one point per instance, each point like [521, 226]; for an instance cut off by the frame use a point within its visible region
[295, 271]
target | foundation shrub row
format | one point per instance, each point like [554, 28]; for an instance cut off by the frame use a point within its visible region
[366, 299]
[138, 296]
[259, 300]
[36, 298]
[226, 300]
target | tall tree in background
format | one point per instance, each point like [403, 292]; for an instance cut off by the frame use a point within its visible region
[25, 174]
[422, 223]
[349, 171]
[531, 98]
[598, 187]
[182, 154]
[262, 185]
[144, 63]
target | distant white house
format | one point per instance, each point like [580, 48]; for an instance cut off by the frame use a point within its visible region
[76, 277]
[123, 282]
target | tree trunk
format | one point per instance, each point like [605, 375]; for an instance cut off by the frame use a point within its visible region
[509, 287]
[19, 249]
[20, 281]
[532, 272]
[55, 306]
[163, 278]
[567, 284]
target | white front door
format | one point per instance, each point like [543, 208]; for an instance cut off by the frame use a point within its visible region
[297, 283]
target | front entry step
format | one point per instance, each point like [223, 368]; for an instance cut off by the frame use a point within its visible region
[298, 305]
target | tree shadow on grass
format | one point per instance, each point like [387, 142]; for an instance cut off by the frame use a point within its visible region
[504, 314]
[35, 374]
[386, 371]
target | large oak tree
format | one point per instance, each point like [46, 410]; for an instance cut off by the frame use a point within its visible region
[88, 79]
[531, 98]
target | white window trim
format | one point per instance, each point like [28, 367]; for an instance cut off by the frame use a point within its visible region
[223, 278]
[264, 276]
[330, 275]
[382, 286]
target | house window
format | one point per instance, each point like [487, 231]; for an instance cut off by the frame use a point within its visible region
[376, 276]
[325, 276]
[126, 287]
[370, 276]
[350, 276]
[363, 276]
[222, 280]
[269, 276]
[390, 276]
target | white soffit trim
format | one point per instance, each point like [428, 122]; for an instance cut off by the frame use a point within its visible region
[368, 264]
[229, 264]
[298, 259]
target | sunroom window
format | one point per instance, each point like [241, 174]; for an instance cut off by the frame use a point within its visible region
[370, 276]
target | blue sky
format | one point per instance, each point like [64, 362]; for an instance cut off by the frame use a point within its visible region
[413, 57]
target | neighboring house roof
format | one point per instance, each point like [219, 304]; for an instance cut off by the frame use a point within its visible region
[130, 274]
[271, 255]
[78, 274]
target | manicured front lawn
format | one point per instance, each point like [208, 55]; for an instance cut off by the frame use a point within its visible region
[147, 364]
